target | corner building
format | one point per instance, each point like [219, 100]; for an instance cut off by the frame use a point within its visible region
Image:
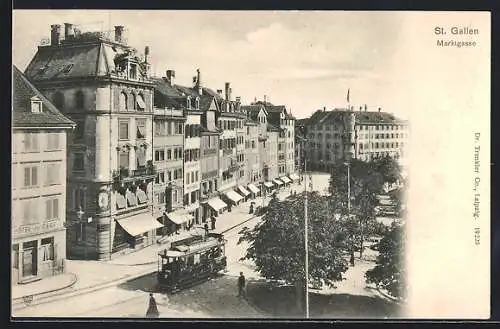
[103, 85]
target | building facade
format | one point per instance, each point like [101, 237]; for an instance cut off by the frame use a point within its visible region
[168, 147]
[104, 86]
[38, 183]
[335, 135]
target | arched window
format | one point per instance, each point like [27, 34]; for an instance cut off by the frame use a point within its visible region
[79, 100]
[197, 103]
[188, 103]
[58, 100]
[123, 105]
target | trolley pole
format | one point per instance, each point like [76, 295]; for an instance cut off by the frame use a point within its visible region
[306, 245]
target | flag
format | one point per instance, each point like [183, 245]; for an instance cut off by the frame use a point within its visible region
[348, 95]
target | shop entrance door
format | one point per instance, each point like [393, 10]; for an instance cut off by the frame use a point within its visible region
[30, 259]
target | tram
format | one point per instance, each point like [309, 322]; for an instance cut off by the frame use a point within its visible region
[191, 260]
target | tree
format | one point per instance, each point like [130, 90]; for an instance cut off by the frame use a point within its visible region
[366, 182]
[389, 168]
[389, 272]
[398, 198]
[276, 244]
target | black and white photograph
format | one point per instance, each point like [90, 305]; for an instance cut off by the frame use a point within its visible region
[250, 164]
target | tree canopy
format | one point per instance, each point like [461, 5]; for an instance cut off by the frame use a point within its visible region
[389, 273]
[276, 244]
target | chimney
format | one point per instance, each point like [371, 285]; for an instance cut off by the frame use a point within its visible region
[55, 34]
[366, 107]
[265, 99]
[238, 99]
[228, 91]
[379, 109]
[171, 76]
[360, 108]
[219, 92]
[199, 86]
[194, 81]
[324, 108]
[119, 33]
[146, 55]
[68, 31]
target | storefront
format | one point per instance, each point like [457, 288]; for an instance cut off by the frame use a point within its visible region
[244, 192]
[254, 190]
[215, 207]
[137, 231]
[179, 221]
[233, 197]
[269, 186]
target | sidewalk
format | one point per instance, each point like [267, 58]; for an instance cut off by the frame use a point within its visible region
[45, 285]
[96, 273]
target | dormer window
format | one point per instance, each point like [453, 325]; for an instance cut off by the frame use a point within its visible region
[36, 105]
[188, 103]
[197, 103]
[132, 74]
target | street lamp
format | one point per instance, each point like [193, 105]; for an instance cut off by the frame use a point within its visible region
[348, 164]
[79, 215]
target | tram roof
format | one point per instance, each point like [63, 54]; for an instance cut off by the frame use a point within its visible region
[183, 250]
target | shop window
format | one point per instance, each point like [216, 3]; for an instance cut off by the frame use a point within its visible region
[47, 249]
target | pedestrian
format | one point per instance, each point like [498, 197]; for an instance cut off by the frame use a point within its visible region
[212, 219]
[241, 285]
[251, 208]
[206, 228]
[152, 311]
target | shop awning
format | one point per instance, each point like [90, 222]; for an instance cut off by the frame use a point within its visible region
[216, 204]
[243, 190]
[179, 217]
[120, 201]
[278, 182]
[138, 224]
[232, 195]
[285, 179]
[253, 188]
[141, 196]
[294, 176]
[131, 199]
[268, 184]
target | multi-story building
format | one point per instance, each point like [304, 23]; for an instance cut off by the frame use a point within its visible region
[168, 148]
[230, 120]
[38, 183]
[365, 135]
[252, 151]
[104, 86]
[300, 145]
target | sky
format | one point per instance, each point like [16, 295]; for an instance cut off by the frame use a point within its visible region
[305, 60]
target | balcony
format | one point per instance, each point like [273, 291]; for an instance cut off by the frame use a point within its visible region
[128, 174]
[213, 173]
[209, 152]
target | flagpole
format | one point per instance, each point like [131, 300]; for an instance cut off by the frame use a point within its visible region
[306, 243]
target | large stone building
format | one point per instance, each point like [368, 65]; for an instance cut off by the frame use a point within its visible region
[38, 183]
[337, 134]
[103, 85]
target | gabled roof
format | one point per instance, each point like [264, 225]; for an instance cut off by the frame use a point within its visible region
[23, 92]
[253, 110]
[166, 95]
[361, 117]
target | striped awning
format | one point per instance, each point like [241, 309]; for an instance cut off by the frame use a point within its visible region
[179, 217]
[278, 182]
[285, 179]
[138, 224]
[233, 196]
[253, 188]
[216, 204]
[243, 190]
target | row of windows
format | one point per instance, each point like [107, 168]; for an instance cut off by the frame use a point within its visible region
[51, 175]
[124, 158]
[131, 102]
[193, 131]
[385, 136]
[227, 143]
[167, 176]
[31, 142]
[30, 213]
[240, 158]
[250, 144]
[230, 124]
[124, 133]
[160, 197]
[168, 128]
[361, 127]
[191, 155]
[172, 154]
[192, 177]
[190, 198]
